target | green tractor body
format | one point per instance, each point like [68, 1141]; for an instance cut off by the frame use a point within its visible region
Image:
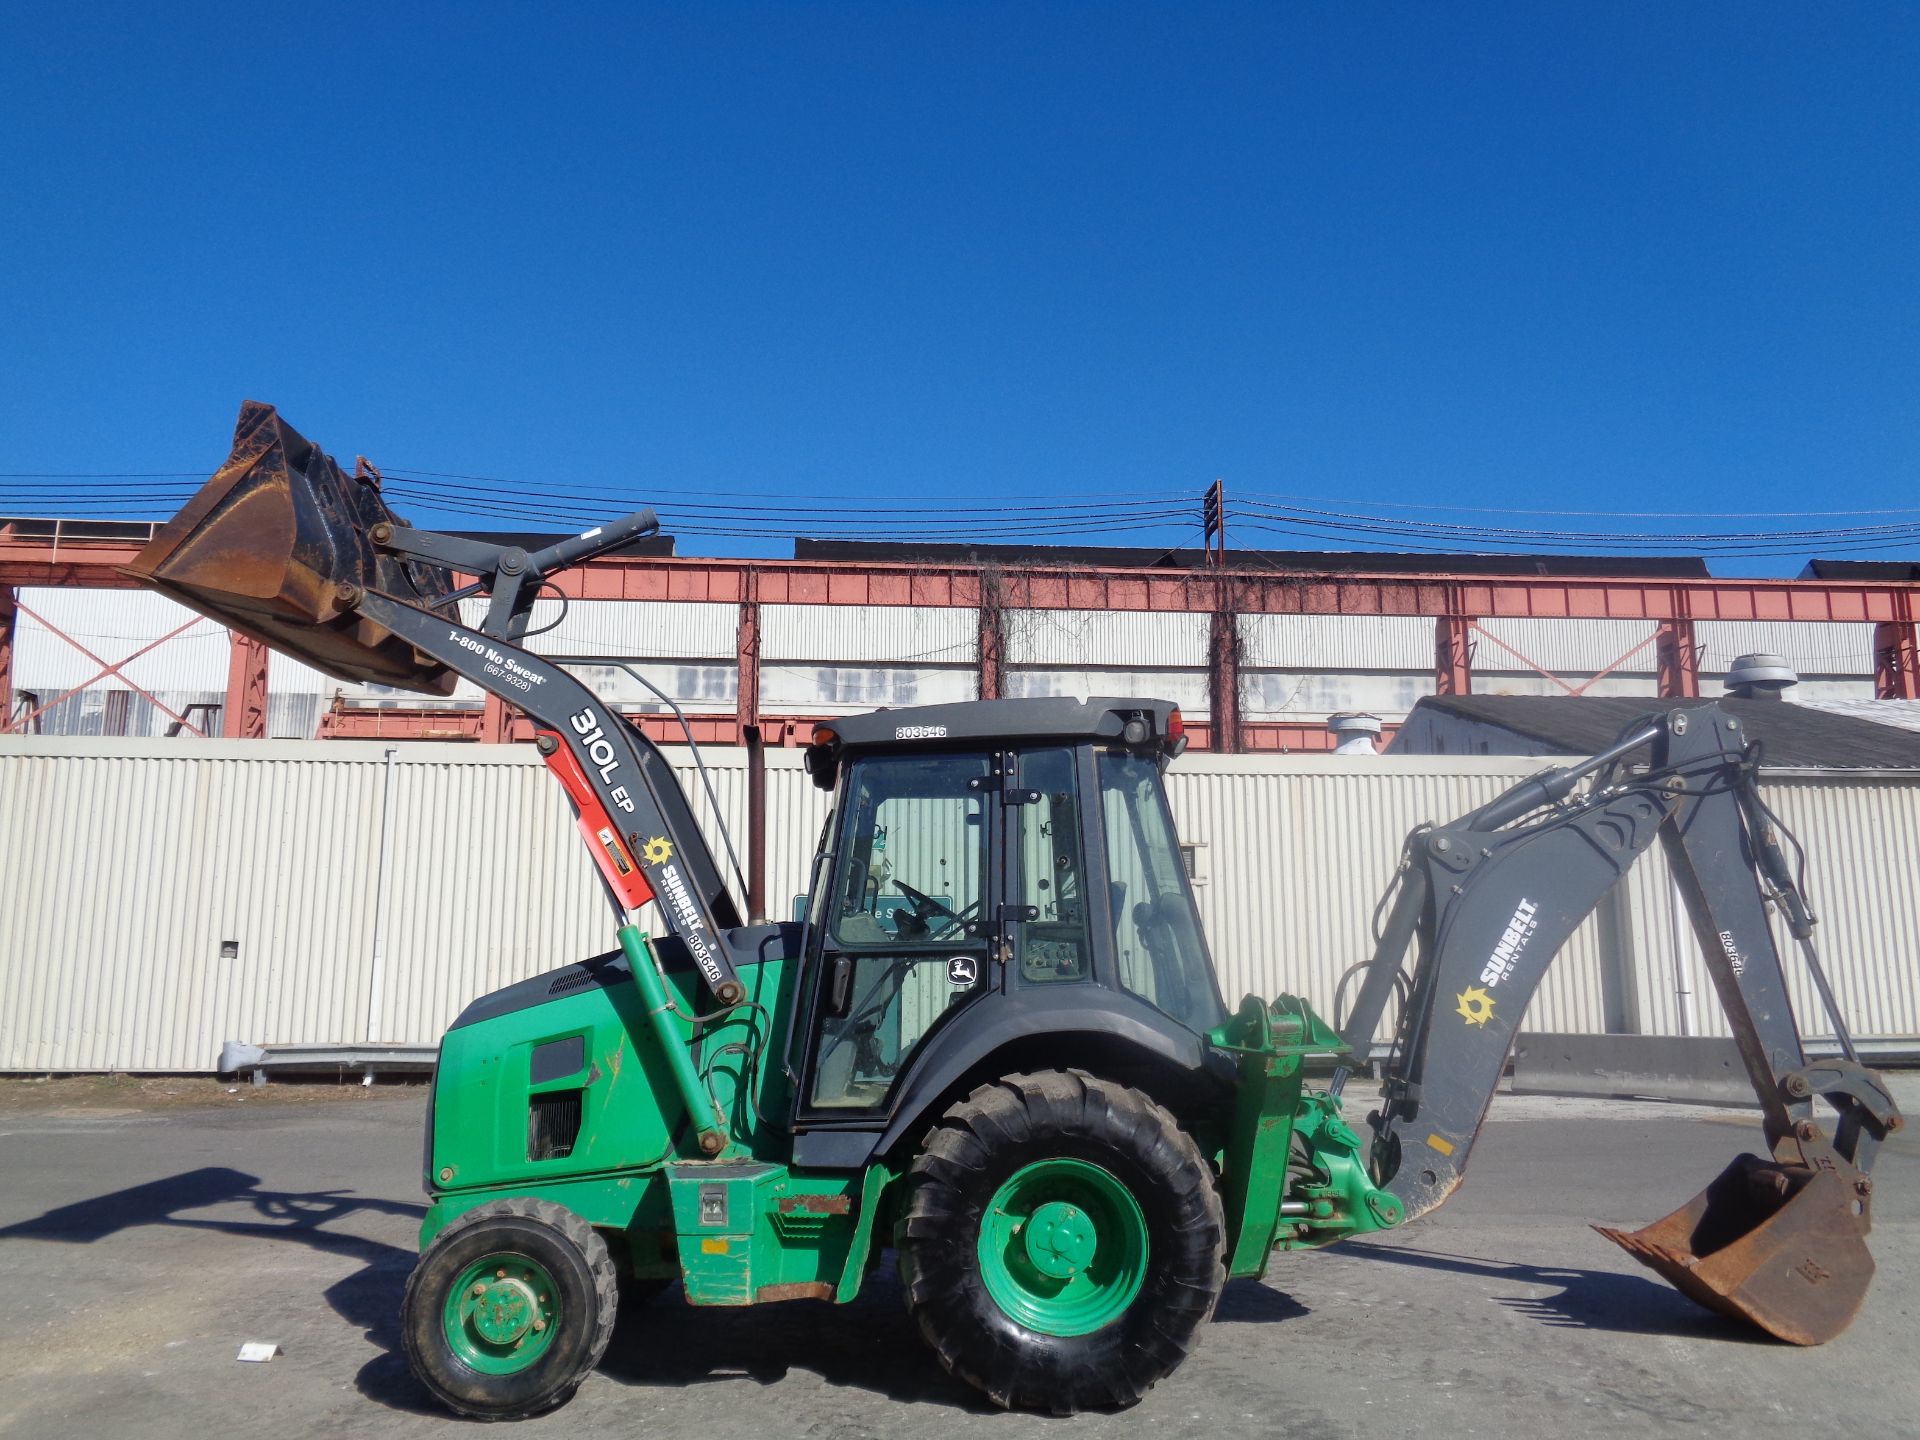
[1001, 898]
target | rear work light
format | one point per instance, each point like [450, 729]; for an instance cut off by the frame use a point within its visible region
[1176, 733]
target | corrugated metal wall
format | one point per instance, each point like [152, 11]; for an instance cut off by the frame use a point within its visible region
[886, 634]
[121, 874]
[1296, 850]
[125, 864]
[894, 655]
[824, 659]
[1338, 642]
[1106, 638]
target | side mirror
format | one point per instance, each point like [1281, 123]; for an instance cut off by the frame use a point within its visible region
[840, 986]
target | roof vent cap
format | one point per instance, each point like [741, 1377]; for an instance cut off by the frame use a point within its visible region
[1760, 676]
[1354, 733]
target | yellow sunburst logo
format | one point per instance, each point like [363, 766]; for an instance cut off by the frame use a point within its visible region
[657, 851]
[1475, 1007]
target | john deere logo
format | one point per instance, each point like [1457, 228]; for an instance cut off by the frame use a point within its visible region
[657, 851]
[1475, 1007]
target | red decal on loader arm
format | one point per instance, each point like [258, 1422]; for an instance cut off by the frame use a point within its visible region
[610, 852]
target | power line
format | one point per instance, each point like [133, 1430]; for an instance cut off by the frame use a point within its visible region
[1589, 514]
[1306, 516]
[113, 494]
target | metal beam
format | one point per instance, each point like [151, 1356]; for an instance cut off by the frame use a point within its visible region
[348, 723]
[1896, 661]
[496, 721]
[756, 823]
[107, 668]
[243, 715]
[746, 703]
[1266, 591]
[9, 615]
[1225, 732]
[345, 722]
[1453, 655]
[992, 647]
[1679, 659]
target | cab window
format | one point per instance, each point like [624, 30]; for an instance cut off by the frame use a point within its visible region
[1158, 945]
[1053, 945]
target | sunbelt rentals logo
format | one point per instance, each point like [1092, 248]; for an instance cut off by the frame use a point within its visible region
[1513, 940]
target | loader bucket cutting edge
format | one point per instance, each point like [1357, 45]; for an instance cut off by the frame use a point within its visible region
[265, 545]
[1782, 1247]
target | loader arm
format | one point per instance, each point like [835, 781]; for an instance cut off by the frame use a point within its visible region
[630, 808]
[1489, 900]
[281, 545]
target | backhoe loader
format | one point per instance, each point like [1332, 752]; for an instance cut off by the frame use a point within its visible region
[996, 1043]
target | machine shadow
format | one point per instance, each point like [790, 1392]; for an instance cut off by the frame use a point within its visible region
[1588, 1299]
[868, 1344]
[1254, 1302]
[368, 1298]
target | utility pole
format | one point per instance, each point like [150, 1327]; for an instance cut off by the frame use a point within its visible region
[1213, 517]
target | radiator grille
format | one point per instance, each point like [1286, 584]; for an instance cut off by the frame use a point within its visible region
[553, 1124]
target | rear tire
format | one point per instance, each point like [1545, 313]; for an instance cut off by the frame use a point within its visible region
[1062, 1243]
[509, 1309]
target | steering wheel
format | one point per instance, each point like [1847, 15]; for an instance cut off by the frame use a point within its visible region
[925, 907]
[923, 903]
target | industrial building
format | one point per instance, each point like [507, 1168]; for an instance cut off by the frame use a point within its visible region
[294, 887]
[1258, 647]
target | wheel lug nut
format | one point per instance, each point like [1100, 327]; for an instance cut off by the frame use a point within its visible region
[500, 1274]
[540, 1324]
[479, 1288]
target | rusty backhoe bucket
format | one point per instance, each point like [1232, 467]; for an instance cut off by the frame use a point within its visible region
[1780, 1246]
[265, 544]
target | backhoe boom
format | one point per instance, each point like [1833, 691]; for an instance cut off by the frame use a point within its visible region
[1489, 900]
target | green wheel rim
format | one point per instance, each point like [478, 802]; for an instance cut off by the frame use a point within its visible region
[1063, 1247]
[502, 1314]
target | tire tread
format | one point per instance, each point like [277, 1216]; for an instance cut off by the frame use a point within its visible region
[1010, 1114]
[606, 1287]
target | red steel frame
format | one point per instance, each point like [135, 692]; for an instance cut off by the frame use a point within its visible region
[1454, 603]
[107, 667]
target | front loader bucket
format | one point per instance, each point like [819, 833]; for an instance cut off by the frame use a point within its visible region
[269, 542]
[1780, 1246]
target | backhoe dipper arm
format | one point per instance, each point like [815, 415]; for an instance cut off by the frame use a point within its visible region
[1490, 899]
[631, 809]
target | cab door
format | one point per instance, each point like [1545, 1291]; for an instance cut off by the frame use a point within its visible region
[1046, 922]
[908, 922]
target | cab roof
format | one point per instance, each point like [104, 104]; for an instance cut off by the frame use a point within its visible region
[1049, 718]
[994, 722]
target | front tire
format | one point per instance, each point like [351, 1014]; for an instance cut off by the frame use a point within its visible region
[509, 1309]
[1062, 1243]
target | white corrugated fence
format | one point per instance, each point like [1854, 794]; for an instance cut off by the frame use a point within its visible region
[158, 898]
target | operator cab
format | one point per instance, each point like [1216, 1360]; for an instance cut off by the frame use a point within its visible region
[987, 859]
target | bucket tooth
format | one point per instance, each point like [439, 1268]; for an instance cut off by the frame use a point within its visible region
[1779, 1246]
[269, 544]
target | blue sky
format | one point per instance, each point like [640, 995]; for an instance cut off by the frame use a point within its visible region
[1614, 257]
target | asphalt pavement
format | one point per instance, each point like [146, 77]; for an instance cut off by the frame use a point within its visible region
[142, 1245]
